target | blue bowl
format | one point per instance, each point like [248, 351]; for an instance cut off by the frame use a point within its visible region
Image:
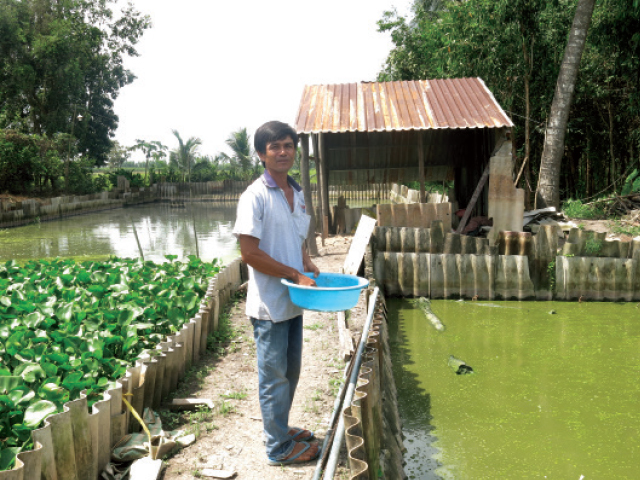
[334, 292]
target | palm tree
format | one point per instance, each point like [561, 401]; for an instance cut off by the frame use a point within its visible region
[153, 149]
[184, 156]
[548, 193]
[243, 155]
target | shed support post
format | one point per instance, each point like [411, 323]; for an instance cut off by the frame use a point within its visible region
[323, 174]
[421, 167]
[306, 188]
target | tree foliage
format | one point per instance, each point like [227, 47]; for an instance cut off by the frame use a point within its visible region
[183, 158]
[516, 47]
[28, 162]
[64, 58]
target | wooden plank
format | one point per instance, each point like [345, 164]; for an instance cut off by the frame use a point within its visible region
[306, 188]
[190, 403]
[474, 199]
[359, 244]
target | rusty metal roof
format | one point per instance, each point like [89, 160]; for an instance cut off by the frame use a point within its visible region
[406, 105]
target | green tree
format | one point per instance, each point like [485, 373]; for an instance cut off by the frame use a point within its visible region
[118, 155]
[243, 155]
[517, 48]
[183, 157]
[153, 149]
[59, 59]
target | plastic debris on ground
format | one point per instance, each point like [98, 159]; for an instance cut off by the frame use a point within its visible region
[135, 446]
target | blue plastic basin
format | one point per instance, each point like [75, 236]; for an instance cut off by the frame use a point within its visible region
[334, 292]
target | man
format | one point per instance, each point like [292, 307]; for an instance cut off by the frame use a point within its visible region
[271, 226]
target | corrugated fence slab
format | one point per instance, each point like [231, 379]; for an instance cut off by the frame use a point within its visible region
[421, 262]
[76, 444]
[373, 429]
[591, 278]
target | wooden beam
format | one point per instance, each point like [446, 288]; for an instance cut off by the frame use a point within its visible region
[319, 180]
[472, 203]
[421, 168]
[324, 175]
[306, 188]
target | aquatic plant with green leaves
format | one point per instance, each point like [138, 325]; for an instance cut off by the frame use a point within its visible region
[66, 327]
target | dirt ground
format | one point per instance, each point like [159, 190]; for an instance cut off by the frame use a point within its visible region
[229, 437]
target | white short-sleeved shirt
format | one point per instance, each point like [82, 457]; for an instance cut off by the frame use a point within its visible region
[264, 213]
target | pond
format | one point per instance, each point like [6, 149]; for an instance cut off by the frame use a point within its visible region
[552, 395]
[161, 229]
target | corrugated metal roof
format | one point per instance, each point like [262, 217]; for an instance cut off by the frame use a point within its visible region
[405, 105]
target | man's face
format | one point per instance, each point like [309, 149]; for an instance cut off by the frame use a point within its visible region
[279, 155]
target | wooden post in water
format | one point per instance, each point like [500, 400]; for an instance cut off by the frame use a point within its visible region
[195, 233]
[135, 234]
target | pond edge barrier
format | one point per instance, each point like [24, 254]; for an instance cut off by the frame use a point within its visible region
[369, 417]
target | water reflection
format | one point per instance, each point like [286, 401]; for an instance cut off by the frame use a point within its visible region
[161, 230]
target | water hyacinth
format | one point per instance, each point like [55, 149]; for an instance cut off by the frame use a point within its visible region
[66, 327]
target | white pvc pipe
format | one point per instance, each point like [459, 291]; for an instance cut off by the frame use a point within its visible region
[339, 437]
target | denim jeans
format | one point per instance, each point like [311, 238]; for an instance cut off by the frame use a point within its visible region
[279, 350]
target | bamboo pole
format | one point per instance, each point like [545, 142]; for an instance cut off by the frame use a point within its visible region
[195, 233]
[135, 233]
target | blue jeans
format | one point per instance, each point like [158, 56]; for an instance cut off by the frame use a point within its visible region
[279, 350]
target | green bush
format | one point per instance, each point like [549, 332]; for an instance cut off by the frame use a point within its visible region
[631, 184]
[576, 209]
[433, 187]
[135, 179]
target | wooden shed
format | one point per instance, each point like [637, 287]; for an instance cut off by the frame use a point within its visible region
[386, 132]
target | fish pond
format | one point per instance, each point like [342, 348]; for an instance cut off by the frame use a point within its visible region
[554, 391]
[161, 229]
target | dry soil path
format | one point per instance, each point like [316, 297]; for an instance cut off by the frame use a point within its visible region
[230, 436]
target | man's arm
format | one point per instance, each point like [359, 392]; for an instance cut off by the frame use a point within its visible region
[309, 266]
[258, 259]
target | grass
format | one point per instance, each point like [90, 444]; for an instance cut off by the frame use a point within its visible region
[592, 247]
[234, 395]
[220, 339]
[576, 209]
[335, 384]
[314, 326]
[226, 408]
[631, 230]
[193, 422]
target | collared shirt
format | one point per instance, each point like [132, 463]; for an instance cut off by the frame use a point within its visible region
[264, 213]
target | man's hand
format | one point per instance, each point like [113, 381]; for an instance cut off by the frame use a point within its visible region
[252, 255]
[306, 281]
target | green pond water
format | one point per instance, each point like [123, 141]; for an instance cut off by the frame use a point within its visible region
[162, 230]
[553, 396]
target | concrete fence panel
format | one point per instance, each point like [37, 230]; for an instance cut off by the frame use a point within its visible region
[595, 278]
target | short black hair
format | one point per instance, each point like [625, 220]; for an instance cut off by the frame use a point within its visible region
[272, 132]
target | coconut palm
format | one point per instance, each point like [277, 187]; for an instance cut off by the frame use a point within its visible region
[153, 149]
[243, 156]
[184, 156]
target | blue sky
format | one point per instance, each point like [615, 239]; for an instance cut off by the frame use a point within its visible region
[207, 68]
